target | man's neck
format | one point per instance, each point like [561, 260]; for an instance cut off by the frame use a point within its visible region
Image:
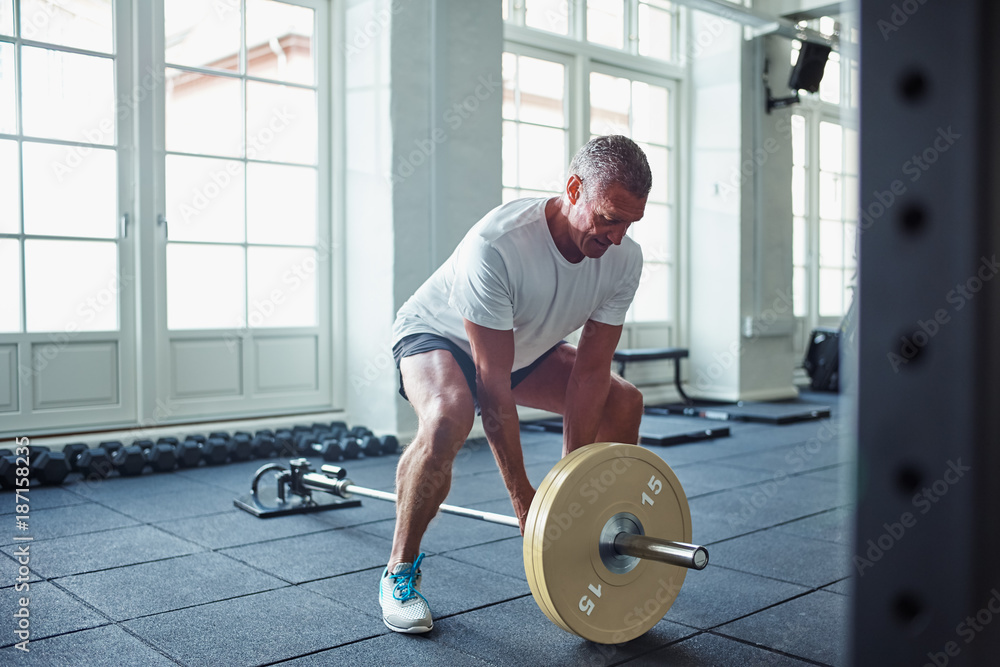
[557, 218]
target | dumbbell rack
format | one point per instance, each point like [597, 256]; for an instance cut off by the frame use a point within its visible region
[332, 441]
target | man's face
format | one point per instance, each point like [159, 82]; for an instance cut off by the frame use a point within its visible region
[601, 219]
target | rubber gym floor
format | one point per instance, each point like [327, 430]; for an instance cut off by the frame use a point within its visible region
[163, 570]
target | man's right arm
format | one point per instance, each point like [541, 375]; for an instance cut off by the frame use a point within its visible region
[493, 354]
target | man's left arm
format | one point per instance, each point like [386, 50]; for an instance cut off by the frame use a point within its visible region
[589, 383]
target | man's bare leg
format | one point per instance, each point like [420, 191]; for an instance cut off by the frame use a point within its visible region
[545, 389]
[445, 410]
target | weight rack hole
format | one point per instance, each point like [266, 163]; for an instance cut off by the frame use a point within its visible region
[913, 86]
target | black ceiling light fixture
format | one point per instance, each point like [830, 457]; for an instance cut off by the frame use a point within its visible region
[806, 74]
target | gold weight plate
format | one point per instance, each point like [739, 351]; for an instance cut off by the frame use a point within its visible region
[562, 560]
[539, 509]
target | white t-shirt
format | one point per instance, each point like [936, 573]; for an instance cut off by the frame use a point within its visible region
[508, 274]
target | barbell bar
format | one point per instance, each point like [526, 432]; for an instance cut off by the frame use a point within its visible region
[589, 564]
[691, 556]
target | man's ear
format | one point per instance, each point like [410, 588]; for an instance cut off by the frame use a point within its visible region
[574, 189]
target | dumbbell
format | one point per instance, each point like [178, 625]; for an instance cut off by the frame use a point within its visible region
[360, 432]
[329, 449]
[350, 446]
[188, 453]
[8, 471]
[263, 444]
[371, 446]
[240, 447]
[49, 467]
[390, 444]
[129, 461]
[112, 447]
[161, 457]
[284, 444]
[93, 463]
[215, 451]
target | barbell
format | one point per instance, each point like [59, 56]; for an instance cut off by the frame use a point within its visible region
[606, 540]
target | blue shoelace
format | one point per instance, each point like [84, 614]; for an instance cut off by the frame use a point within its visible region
[405, 580]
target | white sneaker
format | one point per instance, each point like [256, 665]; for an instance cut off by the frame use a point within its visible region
[404, 609]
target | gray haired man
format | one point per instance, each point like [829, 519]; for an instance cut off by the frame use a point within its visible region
[485, 333]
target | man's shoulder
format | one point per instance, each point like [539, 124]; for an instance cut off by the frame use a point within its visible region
[507, 219]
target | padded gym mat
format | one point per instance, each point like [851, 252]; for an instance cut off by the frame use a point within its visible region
[654, 429]
[785, 412]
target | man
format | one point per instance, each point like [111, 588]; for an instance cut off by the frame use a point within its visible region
[485, 332]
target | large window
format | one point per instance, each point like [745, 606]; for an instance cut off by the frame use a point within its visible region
[641, 111]
[67, 325]
[825, 189]
[241, 165]
[58, 148]
[163, 187]
[573, 70]
[535, 126]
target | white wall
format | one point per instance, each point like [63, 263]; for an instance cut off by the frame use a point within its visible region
[740, 262]
[368, 229]
[423, 165]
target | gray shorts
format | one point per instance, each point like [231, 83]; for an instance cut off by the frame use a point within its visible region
[425, 342]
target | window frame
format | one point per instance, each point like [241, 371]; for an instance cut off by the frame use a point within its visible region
[814, 110]
[582, 58]
[32, 351]
[159, 382]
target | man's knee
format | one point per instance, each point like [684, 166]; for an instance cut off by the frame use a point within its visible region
[447, 427]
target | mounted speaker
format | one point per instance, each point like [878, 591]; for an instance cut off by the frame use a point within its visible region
[809, 68]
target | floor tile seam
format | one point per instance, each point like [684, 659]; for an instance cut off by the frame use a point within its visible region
[246, 544]
[757, 483]
[776, 525]
[323, 650]
[118, 625]
[151, 645]
[823, 468]
[206, 603]
[39, 509]
[783, 581]
[786, 531]
[100, 532]
[697, 632]
[484, 606]
[809, 591]
[162, 475]
[770, 649]
[447, 552]
[798, 473]
[729, 456]
[375, 568]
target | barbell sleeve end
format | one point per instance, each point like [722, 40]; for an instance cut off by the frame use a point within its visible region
[691, 556]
